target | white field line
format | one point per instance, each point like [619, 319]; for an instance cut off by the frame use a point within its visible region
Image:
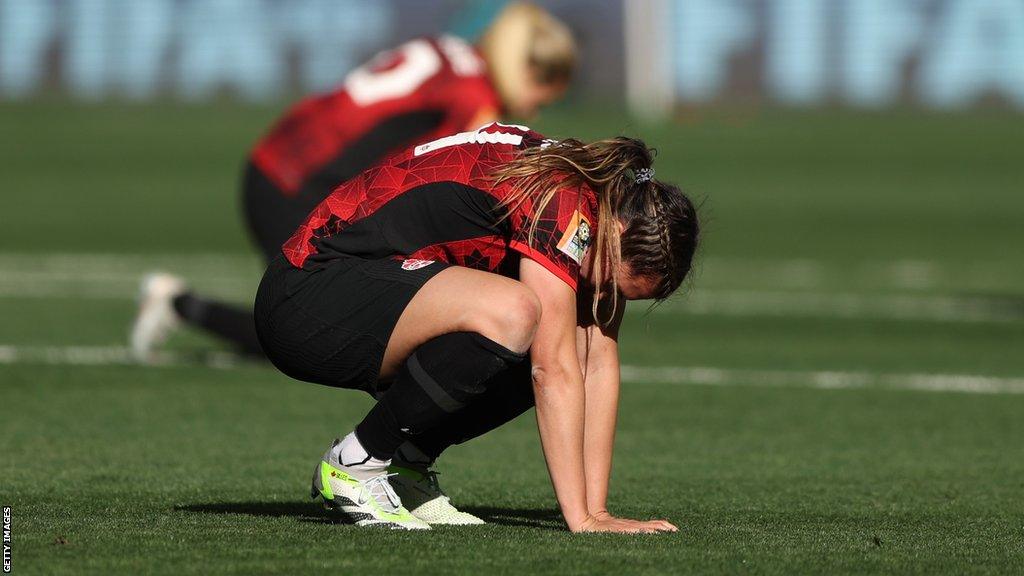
[793, 273]
[804, 286]
[936, 308]
[809, 274]
[967, 383]
[105, 263]
[705, 302]
[123, 286]
[111, 356]
[117, 276]
[671, 375]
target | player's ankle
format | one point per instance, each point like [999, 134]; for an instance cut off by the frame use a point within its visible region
[410, 457]
[351, 454]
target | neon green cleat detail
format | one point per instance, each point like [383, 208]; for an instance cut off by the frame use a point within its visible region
[421, 492]
[369, 502]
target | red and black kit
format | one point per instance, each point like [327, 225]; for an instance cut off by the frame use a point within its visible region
[420, 91]
[326, 310]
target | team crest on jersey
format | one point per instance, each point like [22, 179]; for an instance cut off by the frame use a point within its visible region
[415, 264]
[576, 238]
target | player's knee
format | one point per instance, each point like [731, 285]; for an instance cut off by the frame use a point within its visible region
[521, 316]
[510, 319]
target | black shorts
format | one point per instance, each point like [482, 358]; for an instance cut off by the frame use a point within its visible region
[332, 325]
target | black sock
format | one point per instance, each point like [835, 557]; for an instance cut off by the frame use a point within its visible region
[440, 378]
[509, 394]
[233, 324]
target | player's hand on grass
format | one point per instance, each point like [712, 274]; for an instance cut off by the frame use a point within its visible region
[662, 525]
[605, 522]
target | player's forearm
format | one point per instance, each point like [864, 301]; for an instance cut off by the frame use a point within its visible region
[602, 403]
[560, 399]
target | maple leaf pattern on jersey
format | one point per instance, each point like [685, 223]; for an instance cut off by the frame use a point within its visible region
[457, 176]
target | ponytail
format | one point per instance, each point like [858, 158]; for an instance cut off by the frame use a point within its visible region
[614, 169]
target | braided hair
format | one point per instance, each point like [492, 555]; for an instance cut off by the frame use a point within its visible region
[660, 234]
[659, 222]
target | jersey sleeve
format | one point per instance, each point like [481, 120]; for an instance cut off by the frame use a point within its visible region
[562, 236]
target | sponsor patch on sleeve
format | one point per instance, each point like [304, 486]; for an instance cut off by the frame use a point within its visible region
[576, 238]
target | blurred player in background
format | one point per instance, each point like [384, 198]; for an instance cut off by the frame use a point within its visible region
[462, 281]
[417, 92]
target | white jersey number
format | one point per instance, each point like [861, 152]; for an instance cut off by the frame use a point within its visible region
[419, 61]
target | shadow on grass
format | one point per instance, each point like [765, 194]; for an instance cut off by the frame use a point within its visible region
[313, 512]
[528, 517]
[301, 511]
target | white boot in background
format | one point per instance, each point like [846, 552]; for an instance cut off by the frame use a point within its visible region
[156, 317]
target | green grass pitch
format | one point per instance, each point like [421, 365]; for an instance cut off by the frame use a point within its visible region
[841, 391]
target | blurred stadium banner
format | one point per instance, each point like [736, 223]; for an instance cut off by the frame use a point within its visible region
[657, 54]
[938, 53]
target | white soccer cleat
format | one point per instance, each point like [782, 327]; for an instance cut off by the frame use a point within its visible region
[422, 494]
[368, 502]
[156, 317]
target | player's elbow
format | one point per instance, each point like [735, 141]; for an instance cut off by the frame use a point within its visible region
[552, 377]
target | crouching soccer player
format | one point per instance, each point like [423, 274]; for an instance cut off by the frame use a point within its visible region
[462, 282]
[420, 91]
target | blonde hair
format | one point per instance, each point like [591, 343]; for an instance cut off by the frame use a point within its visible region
[526, 44]
[608, 167]
[660, 226]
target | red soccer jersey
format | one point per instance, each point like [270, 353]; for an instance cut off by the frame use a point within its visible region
[437, 201]
[422, 90]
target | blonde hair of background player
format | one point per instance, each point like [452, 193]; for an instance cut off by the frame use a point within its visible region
[530, 56]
